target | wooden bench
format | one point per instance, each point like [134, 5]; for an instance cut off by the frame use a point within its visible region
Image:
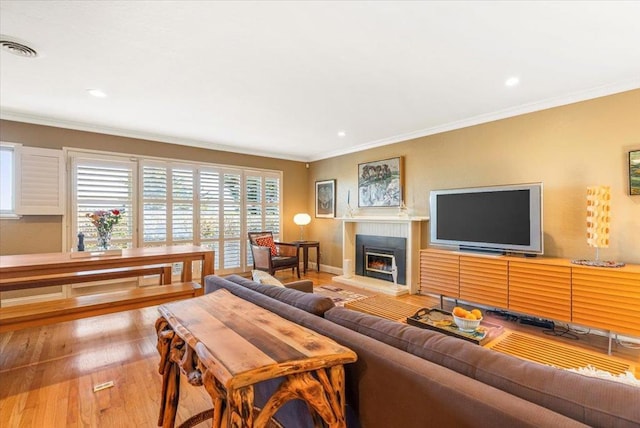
[36, 281]
[42, 313]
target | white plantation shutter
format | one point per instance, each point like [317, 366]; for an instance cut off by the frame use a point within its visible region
[183, 205]
[262, 205]
[102, 184]
[40, 181]
[272, 220]
[254, 208]
[232, 221]
[210, 209]
[154, 204]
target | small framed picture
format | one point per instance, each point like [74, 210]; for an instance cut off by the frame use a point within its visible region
[634, 172]
[380, 183]
[326, 198]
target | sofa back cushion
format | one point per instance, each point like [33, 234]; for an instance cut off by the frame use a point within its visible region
[592, 401]
[308, 302]
[262, 277]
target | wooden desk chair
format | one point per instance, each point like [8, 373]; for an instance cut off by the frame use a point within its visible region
[271, 256]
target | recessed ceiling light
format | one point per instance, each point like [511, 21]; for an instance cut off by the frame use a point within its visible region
[512, 81]
[342, 134]
[97, 93]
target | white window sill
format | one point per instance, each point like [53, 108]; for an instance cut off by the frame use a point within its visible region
[8, 216]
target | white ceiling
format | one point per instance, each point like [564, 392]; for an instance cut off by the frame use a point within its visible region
[282, 78]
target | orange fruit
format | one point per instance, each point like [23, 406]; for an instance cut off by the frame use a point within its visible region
[459, 312]
[470, 316]
[477, 313]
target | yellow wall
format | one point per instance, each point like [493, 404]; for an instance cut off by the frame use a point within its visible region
[36, 234]
[566, 148]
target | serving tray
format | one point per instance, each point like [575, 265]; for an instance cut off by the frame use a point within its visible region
[442, 321]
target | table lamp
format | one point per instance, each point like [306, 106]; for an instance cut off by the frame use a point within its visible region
[598, 224]
[302, 219]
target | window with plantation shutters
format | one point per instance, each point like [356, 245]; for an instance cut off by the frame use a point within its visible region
[262, 204]
[103, 184]
[168, 204]
[177, 204]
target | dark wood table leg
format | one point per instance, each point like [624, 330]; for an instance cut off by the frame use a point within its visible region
[305, 252]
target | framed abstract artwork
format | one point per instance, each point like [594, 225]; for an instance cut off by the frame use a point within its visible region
[634, 172]
[326, 198]
[380, 183]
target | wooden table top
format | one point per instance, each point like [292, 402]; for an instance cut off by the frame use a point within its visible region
[17, 265]
[242, 343]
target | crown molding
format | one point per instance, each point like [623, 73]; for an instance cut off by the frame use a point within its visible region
[600, 91]
[592, 93]
[8, 114]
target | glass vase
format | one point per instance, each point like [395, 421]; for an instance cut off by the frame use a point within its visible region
[104, 240]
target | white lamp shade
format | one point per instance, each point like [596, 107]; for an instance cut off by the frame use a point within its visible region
[302, 219]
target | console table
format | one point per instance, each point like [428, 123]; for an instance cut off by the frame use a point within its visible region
[25, 271]
[228, 345]
[32, 265]
[305, 245]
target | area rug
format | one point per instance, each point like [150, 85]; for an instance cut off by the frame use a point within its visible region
[340, 296]
[556, 354]
[626, 377]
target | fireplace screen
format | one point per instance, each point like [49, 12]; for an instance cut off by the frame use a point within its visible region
[382, 263]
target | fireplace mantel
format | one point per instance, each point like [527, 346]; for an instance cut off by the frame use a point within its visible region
[382, 219]
[398, 226]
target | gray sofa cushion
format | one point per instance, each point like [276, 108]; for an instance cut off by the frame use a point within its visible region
[592, 401]
[308, 302]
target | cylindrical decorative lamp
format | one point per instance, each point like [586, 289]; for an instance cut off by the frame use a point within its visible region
[598, 224]
[598, 216]
[302, 219]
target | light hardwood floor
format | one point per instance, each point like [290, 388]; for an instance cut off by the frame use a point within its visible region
[47, 374]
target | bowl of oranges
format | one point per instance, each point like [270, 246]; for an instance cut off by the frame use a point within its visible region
[467, 321]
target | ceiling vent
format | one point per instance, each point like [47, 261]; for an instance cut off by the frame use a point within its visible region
[17, 48]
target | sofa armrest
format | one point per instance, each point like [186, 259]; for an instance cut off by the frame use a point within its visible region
[302, 285]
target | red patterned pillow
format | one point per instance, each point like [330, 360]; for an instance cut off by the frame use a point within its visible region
[267, 241]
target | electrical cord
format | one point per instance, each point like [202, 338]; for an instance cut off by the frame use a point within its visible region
[561, 331]
[629, 345]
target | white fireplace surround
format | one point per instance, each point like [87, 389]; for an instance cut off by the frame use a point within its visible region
[402, 227]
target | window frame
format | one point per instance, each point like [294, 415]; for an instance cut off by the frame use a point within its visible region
[138, 202]
[14, 148]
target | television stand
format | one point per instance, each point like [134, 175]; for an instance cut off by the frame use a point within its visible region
[545, 287]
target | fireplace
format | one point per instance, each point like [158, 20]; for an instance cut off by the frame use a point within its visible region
[381, 257]
[408, 228]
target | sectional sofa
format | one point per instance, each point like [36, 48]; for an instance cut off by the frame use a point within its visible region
[409, 377]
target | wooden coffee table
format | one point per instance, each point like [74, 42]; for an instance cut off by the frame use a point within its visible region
[227, 345]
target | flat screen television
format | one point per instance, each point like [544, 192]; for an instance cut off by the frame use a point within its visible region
[504, 219]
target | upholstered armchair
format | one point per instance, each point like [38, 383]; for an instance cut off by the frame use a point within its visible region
[270, 256]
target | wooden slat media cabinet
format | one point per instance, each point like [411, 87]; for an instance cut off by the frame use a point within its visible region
[605, 298]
